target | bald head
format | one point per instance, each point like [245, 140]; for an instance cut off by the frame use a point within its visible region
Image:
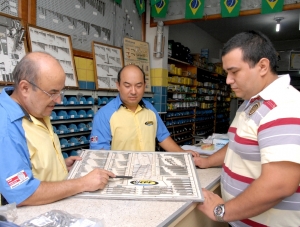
[130, 67]
[31, 65]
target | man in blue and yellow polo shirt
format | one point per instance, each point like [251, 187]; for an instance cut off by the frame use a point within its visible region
[32, 168]
[129, 122]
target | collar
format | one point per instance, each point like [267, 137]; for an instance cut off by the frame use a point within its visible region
[119, 103]
[13, 109]
[272, 90]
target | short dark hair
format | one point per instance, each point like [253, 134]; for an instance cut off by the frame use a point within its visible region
[254, 46]
[119, 73]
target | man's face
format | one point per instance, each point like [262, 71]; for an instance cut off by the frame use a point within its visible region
[244, 81]
[131, 86]
[38, 103]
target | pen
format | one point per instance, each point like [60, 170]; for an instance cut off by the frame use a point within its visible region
[127, 177]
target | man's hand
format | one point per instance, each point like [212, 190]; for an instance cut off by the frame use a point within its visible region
[96, 179]
[201, 162]
[194, 153]
[70, 161]
[211, 200]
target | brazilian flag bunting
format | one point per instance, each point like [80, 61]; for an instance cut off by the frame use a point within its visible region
[194, 9]
[230, 8]
[118, 1]
[153, 2]
[140, 5]
[271, 6]
[160, 8]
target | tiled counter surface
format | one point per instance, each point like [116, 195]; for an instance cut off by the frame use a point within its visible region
[123, 212]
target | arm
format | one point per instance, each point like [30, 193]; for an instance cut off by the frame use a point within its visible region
[216, 159]
[277, 181]
[169, 144]
[49, 192]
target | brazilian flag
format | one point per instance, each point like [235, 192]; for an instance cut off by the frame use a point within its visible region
[230, 8]
[140, 5]
[160, 8]
[194, 9]
[271, 6]
[153, 2]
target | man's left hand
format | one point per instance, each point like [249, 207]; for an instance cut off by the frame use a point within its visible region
[211, 200]
[194, 153]
[70, 161]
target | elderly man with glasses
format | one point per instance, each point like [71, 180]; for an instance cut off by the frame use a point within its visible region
[32, 168]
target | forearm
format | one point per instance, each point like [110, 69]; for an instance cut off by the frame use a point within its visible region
[217, 159]
[49, 192]
[169, 145]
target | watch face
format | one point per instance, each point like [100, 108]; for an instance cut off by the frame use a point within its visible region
[218, 210]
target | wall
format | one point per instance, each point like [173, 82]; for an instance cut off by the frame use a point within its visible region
[195, 38]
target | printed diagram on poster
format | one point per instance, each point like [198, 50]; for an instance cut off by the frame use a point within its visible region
[59, 46]
[155, 175]
[137, 53]
[108, 61]
[12, 47]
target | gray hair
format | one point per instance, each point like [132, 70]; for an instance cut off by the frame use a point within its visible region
[27, 69]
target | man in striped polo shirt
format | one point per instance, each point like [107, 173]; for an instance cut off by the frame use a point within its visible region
[261, 164]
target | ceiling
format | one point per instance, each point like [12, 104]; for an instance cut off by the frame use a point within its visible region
[223, 29]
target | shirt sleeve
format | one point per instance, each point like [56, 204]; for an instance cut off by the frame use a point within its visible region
[17, 182]
[162, 132]
[101, 134]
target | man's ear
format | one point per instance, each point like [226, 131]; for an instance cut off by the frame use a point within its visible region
[24, 87]
[264, 66]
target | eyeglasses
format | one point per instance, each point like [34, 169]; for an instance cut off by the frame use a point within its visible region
[53, 97]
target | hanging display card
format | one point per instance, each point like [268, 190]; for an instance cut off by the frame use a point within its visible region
[12, 47]
[59, 46]
[108, 61]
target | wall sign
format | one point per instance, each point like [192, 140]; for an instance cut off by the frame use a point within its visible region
[137, 53]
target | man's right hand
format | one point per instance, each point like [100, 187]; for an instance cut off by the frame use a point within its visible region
[201, 162]
[96, 179]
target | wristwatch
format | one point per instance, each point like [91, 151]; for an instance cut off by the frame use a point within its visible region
[219, 212]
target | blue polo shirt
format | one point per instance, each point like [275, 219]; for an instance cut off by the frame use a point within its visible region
[115, 127]
[16, 179]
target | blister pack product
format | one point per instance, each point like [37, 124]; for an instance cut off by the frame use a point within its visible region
[9, 211]
[58, 218]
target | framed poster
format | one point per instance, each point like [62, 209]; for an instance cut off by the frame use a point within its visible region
[294, 61]
[137, 53]
[12, 47]
[108, 61]
[59, 46]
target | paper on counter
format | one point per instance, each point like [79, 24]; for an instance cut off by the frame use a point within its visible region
[200, 151]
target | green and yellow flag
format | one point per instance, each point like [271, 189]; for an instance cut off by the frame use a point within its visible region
[160, 9]
[230, 8]
[194, 9]
[153, 2]
[140, 5]
[271, 6]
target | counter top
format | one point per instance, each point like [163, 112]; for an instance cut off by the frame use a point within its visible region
[123, 212]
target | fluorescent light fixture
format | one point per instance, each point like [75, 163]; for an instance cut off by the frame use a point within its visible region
[277, 26]
[278, 19]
